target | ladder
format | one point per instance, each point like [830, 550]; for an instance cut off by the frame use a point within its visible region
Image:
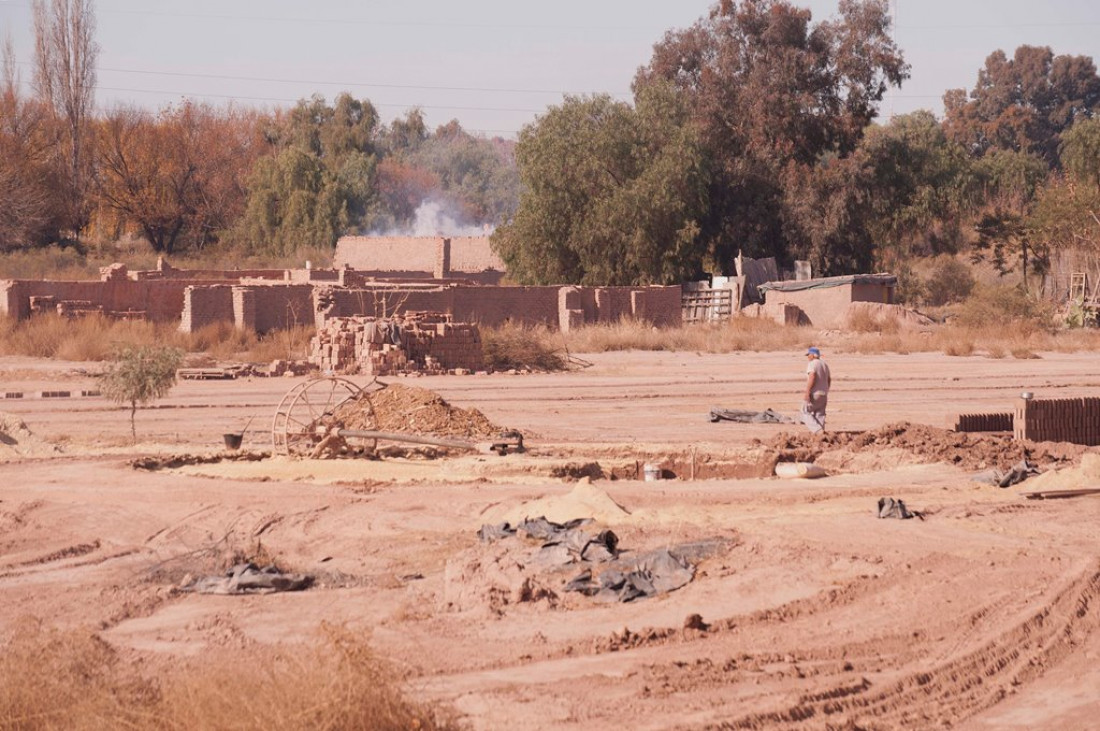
[1078, 286]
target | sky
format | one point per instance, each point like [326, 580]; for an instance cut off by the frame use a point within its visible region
[494, 65]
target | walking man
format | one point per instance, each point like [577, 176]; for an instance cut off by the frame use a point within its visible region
[816, 397]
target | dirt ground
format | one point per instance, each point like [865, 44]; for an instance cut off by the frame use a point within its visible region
[981, 613]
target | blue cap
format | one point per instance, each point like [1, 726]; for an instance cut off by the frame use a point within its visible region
[813, 351]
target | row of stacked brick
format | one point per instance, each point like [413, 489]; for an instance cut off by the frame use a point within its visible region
[418, 342]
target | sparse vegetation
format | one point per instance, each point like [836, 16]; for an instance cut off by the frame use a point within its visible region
[138, 375]
[51, 679]
[523, 347]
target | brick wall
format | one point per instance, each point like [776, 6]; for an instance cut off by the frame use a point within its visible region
[401, 255]
[205, 305]
[472, 254]
[823, 307]
[491, 306]
[282, 306]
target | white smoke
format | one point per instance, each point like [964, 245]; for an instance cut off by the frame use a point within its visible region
[434, 218]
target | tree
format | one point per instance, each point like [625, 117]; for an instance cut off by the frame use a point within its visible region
[612, 194]
[318, 183]
[921, 192]
[1010, 181]
[773, 95]
[138, 375]
[477, 177]
[1023, 104]
[178, 176]
[31, 213]
[65, 58]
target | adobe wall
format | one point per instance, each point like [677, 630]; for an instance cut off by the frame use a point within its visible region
[472, 254]
[161, 301]
[404, 256]
[279, 307]
[206, 305]
[492, 306]
[873, 293]
[823, 307]
[421, 257]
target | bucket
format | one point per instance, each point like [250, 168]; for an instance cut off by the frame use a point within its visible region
[652, 472]
[232, 441]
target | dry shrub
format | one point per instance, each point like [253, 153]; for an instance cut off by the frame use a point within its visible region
[533, 347]
[73, 680]
[990, 309]
[994, 350]
[292, 344]
[739, 333]
[221, 340]
[91, 337]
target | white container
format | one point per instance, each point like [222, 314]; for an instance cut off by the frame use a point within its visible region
[804, 470]
[651, 472]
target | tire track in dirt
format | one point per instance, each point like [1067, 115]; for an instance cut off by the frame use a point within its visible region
[955, 690]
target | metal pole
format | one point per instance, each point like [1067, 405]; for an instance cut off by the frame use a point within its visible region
[415, 439]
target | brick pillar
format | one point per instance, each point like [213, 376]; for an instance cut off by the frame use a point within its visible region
[1019, 418]
[570, 308]
[244, 308]
[443, 259]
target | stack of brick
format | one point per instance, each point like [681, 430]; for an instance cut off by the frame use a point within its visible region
[1075, 420]
[440, 345]
[426, 343]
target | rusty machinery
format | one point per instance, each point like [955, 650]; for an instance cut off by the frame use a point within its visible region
[312, 418]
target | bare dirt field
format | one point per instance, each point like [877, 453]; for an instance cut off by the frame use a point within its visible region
[807, 611]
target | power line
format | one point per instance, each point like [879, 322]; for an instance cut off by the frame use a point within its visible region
[292, 101]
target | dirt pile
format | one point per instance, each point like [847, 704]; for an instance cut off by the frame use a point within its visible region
[401, 408]
[967, 451]
[16, 440]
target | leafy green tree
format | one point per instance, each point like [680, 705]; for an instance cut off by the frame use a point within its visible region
[139, 375]
[1066, 214]
[1010, 181]
[477, 177]
[773, 95]
[612, 194]
[922, 188]
[1023, 103]
[320, 181]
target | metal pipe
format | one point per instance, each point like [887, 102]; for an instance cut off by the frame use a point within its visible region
[414, 438]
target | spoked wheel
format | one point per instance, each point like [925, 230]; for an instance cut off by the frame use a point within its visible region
[316, 410]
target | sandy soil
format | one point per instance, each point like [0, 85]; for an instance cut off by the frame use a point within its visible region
[984, 613]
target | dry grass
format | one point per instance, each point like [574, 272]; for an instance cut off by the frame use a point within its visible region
[73, 680]
[68, 264]
[740, 333]
[533, 347]
[94, 337]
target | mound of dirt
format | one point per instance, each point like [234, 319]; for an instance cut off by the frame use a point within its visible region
[16, 440]
[583, 501]
[401, 408]
[928, 444]
[882, 315]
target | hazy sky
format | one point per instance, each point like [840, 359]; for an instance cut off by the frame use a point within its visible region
[492, 64]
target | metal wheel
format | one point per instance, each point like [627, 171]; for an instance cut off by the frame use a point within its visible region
[316, 409]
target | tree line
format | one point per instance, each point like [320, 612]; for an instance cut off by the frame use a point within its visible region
[192, 176]
[753, 131]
